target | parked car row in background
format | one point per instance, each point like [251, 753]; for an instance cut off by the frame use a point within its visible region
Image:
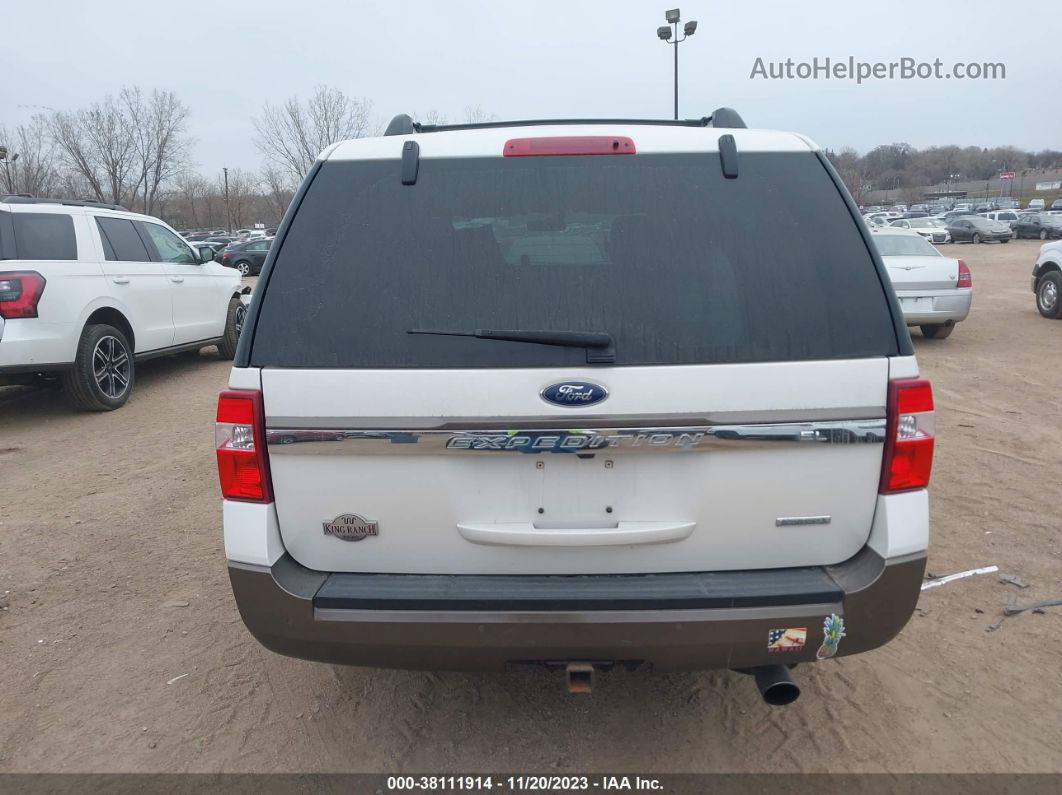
[1042, 225]
[965, 226]
[248, 257]
[941, 206]
[245, 250]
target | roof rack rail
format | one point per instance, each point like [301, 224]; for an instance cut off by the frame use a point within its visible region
[22, 198]
[403, 124]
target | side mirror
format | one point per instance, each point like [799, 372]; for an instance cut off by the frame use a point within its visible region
[206, 254]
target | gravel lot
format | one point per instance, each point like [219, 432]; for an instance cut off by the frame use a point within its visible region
[121, 648]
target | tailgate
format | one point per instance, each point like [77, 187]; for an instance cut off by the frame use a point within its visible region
[741, 466]
[922, 273]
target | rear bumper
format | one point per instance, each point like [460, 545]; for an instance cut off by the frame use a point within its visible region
[35, 345]
[673, 622]
[947, 305]
[26, 374]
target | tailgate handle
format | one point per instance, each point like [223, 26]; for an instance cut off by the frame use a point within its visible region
[525, 534]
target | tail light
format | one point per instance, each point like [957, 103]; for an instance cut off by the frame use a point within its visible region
[908, 456]
[19, 293]
[965, 277]
[225, 255]
[239, 437]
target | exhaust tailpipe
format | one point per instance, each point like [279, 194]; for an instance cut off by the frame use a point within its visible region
[775, 685]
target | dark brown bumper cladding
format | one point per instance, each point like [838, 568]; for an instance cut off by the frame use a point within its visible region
[672, 621]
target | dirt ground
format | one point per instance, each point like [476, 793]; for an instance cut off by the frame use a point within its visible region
[121, 648]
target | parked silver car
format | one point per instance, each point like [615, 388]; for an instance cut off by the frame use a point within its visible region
[935, 292]
[932, 229]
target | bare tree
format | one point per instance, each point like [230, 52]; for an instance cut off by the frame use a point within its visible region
[278, 190]
[292, 135]
[853, 171]
[470, 115]
[243, 186]
[110, 142]
[77, 153]
[30, 163]
[191, 192]
[124, 149]
[433, 117]
[97, 143]
[477, 114]
[161, 147]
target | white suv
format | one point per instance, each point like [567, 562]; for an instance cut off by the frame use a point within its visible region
[88, 289]
[546, 392]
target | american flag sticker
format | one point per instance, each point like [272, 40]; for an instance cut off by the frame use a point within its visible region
[791, 639]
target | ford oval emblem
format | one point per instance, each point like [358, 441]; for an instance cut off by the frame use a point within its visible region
[572, 394]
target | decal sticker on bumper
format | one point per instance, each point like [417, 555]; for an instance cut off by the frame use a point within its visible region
[832, 632]
[791, 639]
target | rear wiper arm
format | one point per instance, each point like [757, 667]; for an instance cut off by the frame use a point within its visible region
[600, 348]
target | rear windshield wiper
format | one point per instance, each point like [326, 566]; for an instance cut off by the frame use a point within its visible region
[600, 348]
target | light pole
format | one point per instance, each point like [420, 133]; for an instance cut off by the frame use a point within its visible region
[665, 35]
[951, 179]
[228, 212]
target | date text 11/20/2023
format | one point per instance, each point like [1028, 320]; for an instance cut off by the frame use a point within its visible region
[524, 783]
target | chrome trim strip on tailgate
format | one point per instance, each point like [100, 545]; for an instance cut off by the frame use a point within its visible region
[586, 420]
[287, 441]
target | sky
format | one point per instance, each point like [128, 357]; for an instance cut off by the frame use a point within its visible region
[545, 59]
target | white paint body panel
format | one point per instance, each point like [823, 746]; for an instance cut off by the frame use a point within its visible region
[489, 142]
[901, 524]
[828, 386]
[726, 501]
[251, 534]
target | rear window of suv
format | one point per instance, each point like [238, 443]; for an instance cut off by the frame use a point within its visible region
[678, 264]
[41, 236]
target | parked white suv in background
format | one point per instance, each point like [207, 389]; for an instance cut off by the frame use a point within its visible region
[88, 289]
[545, 393]
[1047, 280]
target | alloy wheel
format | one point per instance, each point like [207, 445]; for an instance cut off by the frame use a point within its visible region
[110, 366]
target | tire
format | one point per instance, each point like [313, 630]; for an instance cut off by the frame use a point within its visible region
[937, 331]
[1005, 240]
[103, 361]
[244, 267]
[976, 238]
[233, 326]
[1049, 295]
[1043, 234]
